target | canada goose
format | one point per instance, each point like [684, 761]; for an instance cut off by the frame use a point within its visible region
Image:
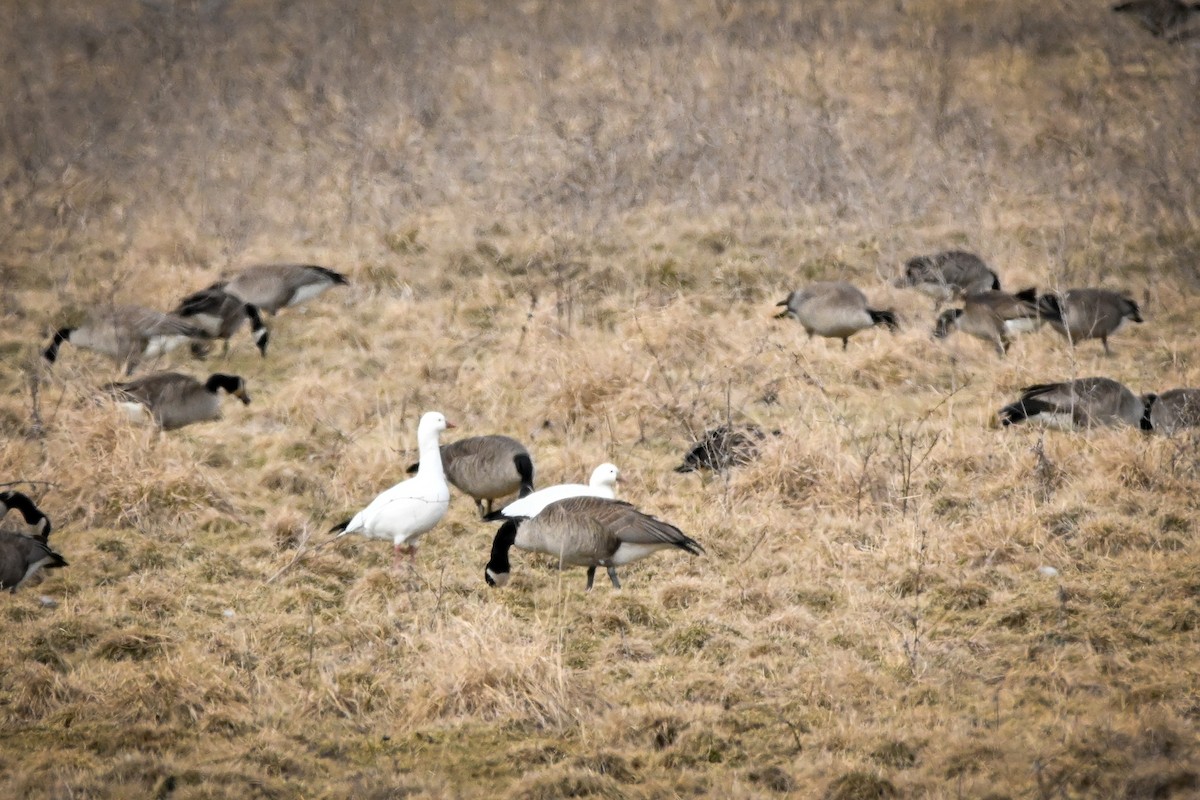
[993, 316]
[586, 532]
[21, 556]
[275, 286]
[603, 483]
[173, 399]
[221, 315]
[948, 275]
[127, 334]
[1080, 314]
[1081, 403]
[15, 501]
[406, 511]
[487, 468]
[1166, 19]
[835, 310]
[723, 447]
[1172, 411]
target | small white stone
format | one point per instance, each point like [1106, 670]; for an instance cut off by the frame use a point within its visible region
[229, 613]
[47, 601]
[1048, 572]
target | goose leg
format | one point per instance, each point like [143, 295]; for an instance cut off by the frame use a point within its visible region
[845, 343]
[591, 577]
[612, 575]
[1104, 341]
[479, 506]
[397, 552]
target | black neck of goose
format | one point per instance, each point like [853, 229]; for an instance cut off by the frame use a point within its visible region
[32, 514]
[524, 465]
[219, 380]
[1146, 423]
[258, 330]
[499, 564]
[61, 335]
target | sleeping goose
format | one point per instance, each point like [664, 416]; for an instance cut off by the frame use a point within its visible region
[723, 447]
[835, 310]
[127, 334]
[275, 286]
[1080, 314]
[1173, 410]
[948, 275]
[487, 468]
[1081, 403]
[409, 509]
[174, 400]
[1166, 19]
[221, 315]
[993, 316]
[21, 556]
[586, 532]
[15, 501]
[603, 483]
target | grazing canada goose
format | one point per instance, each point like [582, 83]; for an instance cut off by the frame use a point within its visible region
[275, 286]
[835, 310]
[1081, 403]
[173, 399]
[603, 483]
[487, 468]
[722, 448]
[410, 508]
[21, 557]
[586, 532]
[1080, 314]
[127, 334]
[15, 501]
[948, 275]
[221, 315]
[1172, 411]
[1166, 19]
[992, 316]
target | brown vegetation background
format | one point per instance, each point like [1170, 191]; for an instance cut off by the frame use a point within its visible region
[570, 223]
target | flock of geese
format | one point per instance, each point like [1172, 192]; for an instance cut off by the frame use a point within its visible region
[578, 524]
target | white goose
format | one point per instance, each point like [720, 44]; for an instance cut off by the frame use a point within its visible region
[410, 508]
[603, 483]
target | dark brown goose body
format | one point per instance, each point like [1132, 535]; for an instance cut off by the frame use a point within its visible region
[487, 468]
[271, 287]
[175, 400]
[127, 334]
[586, 532]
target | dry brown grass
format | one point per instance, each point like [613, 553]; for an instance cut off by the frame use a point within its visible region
[572, 228]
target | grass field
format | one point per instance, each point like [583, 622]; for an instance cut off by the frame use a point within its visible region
[570, 223]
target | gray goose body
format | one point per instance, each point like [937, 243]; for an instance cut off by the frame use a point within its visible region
[586, 532]
[1166, 19]
[271, 287]
[221, 315]
[948, 275]
[21, 556]
[835, 310]
[127, 334]
[175, 400]
[487, 468]
[1081, 314]
[1081, 403]
[993, 316]
[1173, 410]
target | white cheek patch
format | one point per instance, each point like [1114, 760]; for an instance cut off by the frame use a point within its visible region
[498, 578]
